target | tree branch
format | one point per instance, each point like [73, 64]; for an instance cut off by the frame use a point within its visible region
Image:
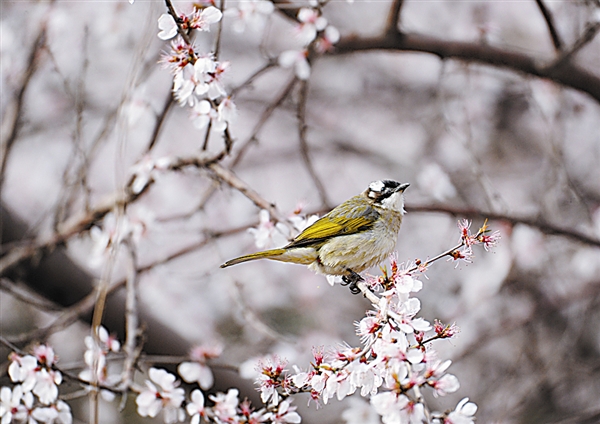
[566, 73]
[393, 18]
[301, 113]
[556, 39]
[534, 222]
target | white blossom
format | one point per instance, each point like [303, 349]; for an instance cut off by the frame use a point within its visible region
[161, 393]
[296, 59]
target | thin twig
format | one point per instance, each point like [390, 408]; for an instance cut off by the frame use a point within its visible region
[271, 63]
[393, 18]
[180, 30]
[556, 39]
[534, 222]
[14, 120]
[160, 120]
[588, 35]
[568, 74]
[23, 294]
[252, 138]
[304, 145]
[228, 177]
[131, 318]
[252, 318]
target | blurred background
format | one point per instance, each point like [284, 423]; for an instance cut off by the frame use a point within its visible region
[83, 98]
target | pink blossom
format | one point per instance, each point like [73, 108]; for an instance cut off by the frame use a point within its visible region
[267, 233]
[46, 386]
[196, 372]
[181, 55]
[202, 114]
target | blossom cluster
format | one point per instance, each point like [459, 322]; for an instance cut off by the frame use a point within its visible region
[483, 237]
[396, 361]
[162, 393]
[34, 397]
[96, 356]
[197, 76]
[315, 34]
[116, 229]
[392, 367]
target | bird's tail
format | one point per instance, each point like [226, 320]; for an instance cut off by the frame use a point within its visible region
[267, 254]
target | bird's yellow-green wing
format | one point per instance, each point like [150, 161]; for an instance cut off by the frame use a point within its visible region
[336, 223]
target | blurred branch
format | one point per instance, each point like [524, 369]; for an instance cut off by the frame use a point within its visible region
[228, 177]
[304, 145]
[565, 73]
[83, 221]
[538, 223]
[132, 332]
[556, 39]
[13, 121]
[588, 35]
[86, 304]
[271, 63]
[267, 113]
[160, 120]
[393, 18]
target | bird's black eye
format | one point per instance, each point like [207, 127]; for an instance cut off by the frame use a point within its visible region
[390, 186]
[379, 190]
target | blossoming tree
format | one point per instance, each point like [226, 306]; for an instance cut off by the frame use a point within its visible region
[161, 146]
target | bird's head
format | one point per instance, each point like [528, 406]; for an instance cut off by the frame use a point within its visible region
[387, 194]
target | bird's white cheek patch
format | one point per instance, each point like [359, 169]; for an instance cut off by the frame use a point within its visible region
[377, 186]
[395, 202]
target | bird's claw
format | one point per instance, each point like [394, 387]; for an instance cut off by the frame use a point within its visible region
[351, 280]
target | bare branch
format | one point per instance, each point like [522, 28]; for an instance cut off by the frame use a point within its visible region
[228, 177]
[13, 121]
[304, 145]
[180, 30]
[588, 35]
[556, 39]
[160, 120]
[568, 74]
[393, 18]
[536, 222]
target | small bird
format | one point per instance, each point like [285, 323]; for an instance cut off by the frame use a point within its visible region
[356, 235]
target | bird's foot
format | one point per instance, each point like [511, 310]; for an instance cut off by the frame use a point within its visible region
[351, 280]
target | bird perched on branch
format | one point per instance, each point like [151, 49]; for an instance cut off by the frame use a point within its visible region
[356, 235]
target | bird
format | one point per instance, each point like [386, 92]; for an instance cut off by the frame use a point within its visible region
[354, 236]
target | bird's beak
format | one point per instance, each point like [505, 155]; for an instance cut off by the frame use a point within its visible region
[402, 187]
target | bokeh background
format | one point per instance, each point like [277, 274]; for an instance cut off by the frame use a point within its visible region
[81, 97]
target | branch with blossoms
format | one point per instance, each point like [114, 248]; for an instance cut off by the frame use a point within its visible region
[392, 367]
[395, 362]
